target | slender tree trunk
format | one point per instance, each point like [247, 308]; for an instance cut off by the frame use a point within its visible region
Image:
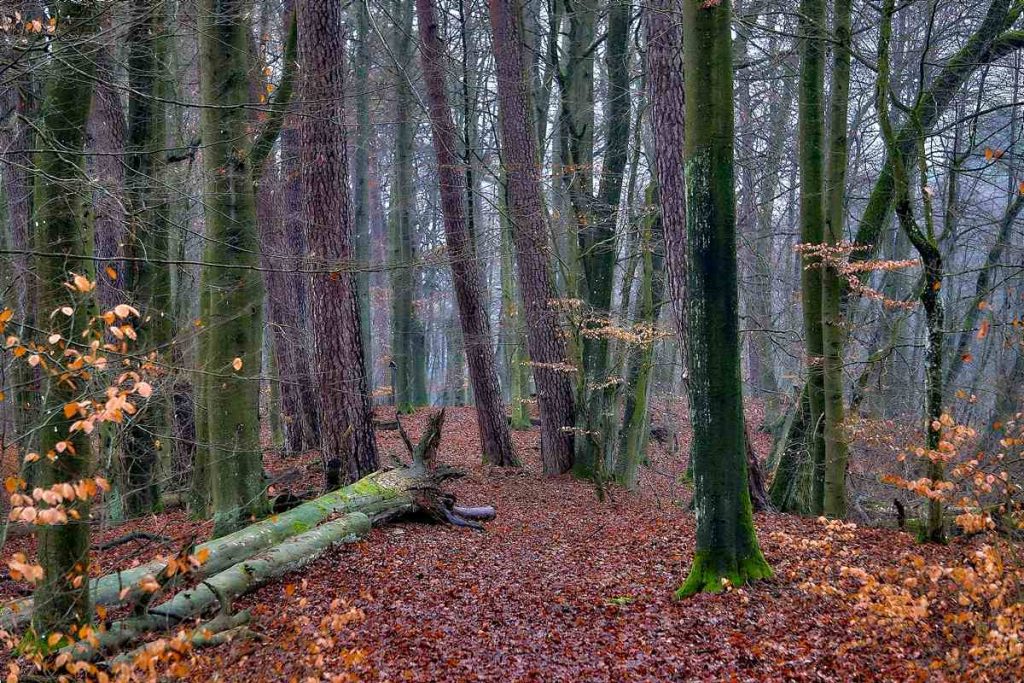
[833, 328]
[925, 243]
[63, 595]
[148, 279]
[406, 329]
[18, 101]
[727, 545]
[232, 319]
[346, 423]
[467, 275]
[812, 224]
[529, 233]
[638, 376]
[361, 186]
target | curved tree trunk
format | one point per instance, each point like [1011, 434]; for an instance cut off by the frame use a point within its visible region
[467, 277]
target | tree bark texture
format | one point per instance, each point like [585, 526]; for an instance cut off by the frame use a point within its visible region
[346, 424]
[546, 343]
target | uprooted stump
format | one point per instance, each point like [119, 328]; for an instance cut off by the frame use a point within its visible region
[240, 562]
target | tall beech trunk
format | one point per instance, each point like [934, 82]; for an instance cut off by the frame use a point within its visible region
[407, 334]
[727, 546]
[467, 275]
[833, 331]
[61, 228]
[812, 224]
[232, 312]
[346, 424]
[529, 233]
[148, 279]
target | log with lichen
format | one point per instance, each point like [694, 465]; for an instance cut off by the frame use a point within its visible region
[238, 563]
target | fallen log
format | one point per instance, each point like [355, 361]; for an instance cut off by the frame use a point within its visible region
[281, 540]
[220, 589]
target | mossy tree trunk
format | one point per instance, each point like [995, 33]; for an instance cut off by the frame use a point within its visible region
[467, 276]
[547, 347]
[231, 283]
[512, 340]
[407, 335]
[148, 277]
[361, 182]
[727, 547]
[346, 419]
[61, 229]
[833, 328]
[812, 223]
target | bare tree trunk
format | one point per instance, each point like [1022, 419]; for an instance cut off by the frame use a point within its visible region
[344, 406]
[467, 276]
[530, 235]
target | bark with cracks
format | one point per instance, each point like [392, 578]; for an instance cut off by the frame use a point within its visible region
[529, 233]
[495, 438]
[346, 425]
[727, 547]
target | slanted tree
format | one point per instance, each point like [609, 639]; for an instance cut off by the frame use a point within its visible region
[926, 243]
[727, 546]
[467, 275]
[346, 421]
[62, 234]
[546, 345]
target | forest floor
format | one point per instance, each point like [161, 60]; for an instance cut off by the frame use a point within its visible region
[560, 587]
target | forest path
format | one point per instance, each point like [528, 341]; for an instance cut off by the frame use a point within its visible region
[560, 587]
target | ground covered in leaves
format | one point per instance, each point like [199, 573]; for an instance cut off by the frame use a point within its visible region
[561, 587]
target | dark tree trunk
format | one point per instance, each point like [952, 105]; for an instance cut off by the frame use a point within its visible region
[727, 546]
[529, 233]
[346, 424]
[467, 277]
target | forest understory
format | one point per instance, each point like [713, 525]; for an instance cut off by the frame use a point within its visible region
[559, 587]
